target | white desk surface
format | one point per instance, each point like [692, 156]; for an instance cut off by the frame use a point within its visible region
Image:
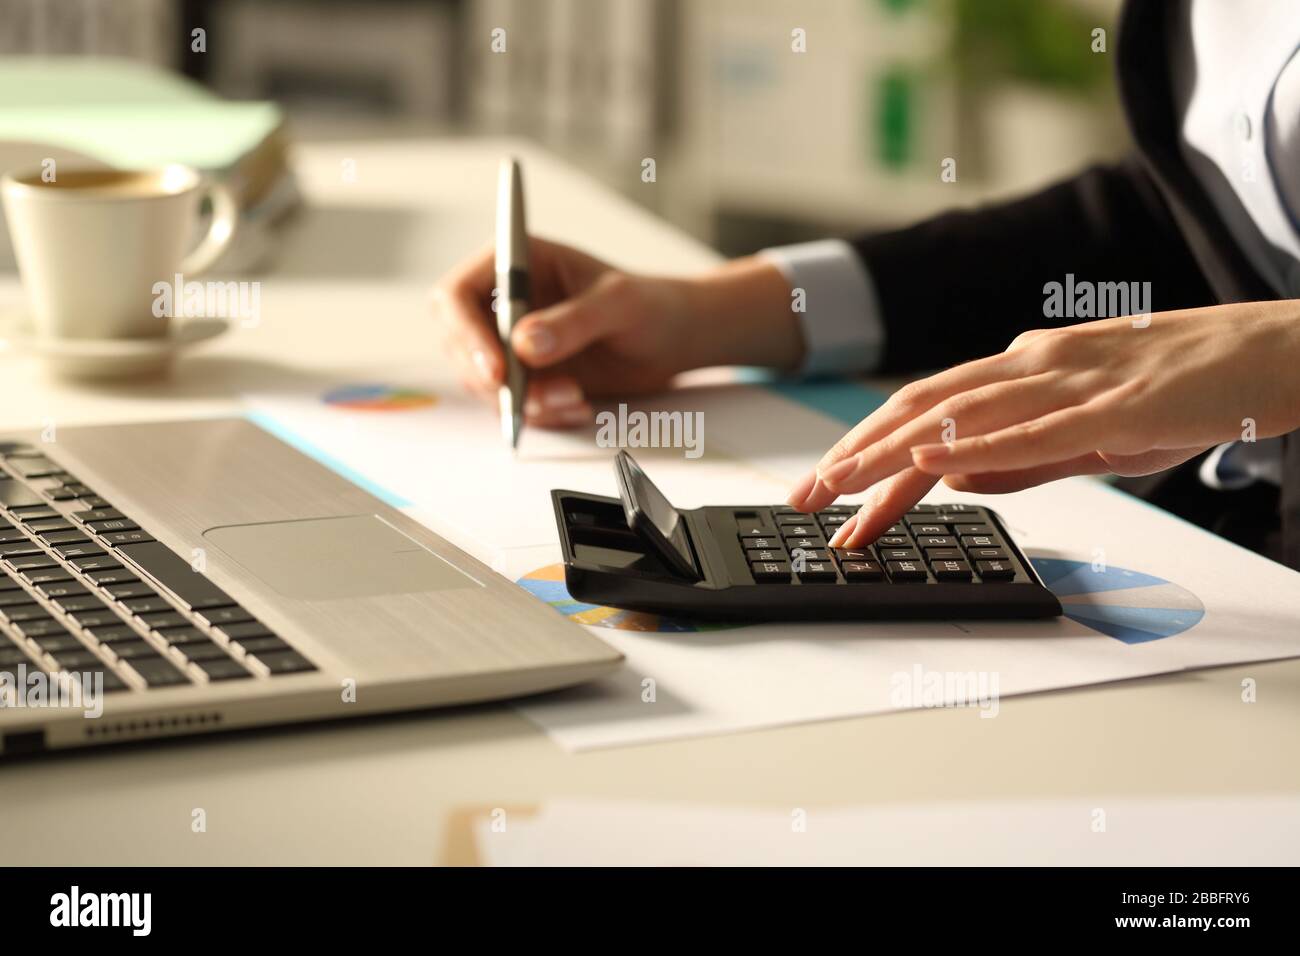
[349, 288]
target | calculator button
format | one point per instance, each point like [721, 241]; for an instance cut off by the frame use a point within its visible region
[764, 554]
[795, 518]
[936, 541]
[762, 542]
[805, 530]
[944, 554]
[862, 571]
[759, 529]
[834, 521]
[853, 554]
[809, 554]
[805, 543]
[839, 510]
[894, 541]
[899, 554]
[895, 529]
[770, 570]
[980, 541]
[932, 530]
[817, 571]
[995, 570]
[957, 509]
[987, 554]
[906, 571]
[923, 509]
[963, 529]
[950, 570]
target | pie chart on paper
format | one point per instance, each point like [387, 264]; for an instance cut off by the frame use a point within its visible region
[378, 398]
[548, 584]
[1127, 605]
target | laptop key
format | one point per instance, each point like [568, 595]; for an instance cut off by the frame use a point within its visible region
[11, 535]
[70, 659]
[96, 563]
[38, 514]
[97, 514]
[24, 612]
[202, 651]
[286, 662]
[124, 592]
[166, 619]
[113, 634]
[14, 494]
[132, 650]
[12, 598]
[115, 539]
[111, 576]
[41, 627]
[46, 575]
[19, 549]
[54, 642]
[92, 619]
[157, 672]
[175, 574]
[61, 589]
[182, 635]
[112, 524]
[224, 615]
[223, 669]
[65, 537]
[42, 528]
[257, 646]
[78, 549]
[32, 563]
[34, 467]
[147, 605]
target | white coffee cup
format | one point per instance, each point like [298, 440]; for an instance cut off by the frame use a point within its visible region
[91, 245]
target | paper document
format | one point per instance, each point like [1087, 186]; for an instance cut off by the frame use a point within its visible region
[1144, 593]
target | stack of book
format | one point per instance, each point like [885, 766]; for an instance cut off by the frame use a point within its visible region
[125, 114]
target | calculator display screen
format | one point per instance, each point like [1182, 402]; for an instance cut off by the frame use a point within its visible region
[646, 504]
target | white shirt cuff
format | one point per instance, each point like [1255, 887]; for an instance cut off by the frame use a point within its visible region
[842, 328]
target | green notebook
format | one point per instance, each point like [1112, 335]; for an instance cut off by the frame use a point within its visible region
[127, 114]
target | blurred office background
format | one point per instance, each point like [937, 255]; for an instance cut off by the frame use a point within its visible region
[754, 141]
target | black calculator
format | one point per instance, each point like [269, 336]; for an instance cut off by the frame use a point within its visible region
[771, 562]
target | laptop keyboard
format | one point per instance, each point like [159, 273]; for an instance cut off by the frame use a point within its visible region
[85, 589]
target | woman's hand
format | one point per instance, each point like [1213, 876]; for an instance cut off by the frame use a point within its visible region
[595, 330]
[1128, 395]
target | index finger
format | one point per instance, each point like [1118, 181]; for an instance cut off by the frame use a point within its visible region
[462, 305]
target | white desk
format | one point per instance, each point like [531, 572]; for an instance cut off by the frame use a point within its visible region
[350, 289]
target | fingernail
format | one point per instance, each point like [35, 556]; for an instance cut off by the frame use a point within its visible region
[801, 490]
[557, 395]
[929, 454]
[844, 531]
[540, 341]
[840, 470]
[484, 366]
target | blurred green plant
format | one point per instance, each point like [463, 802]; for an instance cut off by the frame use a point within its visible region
[1044, 42]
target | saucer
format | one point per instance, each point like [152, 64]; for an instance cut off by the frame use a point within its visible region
[108, 358]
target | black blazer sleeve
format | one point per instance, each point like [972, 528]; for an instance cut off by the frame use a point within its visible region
[964, 284]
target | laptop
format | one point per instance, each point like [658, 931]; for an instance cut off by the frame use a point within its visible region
[205, 576]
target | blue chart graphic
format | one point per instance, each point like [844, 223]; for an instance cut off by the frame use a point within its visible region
[1127, 605]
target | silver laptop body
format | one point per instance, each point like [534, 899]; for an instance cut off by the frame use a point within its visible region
[276, 590]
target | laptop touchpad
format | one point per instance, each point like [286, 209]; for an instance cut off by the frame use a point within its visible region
[348, 557]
